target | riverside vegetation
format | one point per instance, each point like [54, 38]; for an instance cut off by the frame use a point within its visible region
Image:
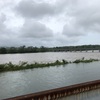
[25, 65]
[31, 49]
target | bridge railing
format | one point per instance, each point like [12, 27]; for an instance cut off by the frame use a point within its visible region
[59, 92]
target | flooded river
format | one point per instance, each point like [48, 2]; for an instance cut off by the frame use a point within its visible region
[47, 57]
[35, 80]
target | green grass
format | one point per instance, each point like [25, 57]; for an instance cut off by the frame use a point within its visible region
[25, 65]
[85, 60]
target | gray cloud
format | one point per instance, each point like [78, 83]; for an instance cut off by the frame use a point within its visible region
[40, 9]
[2, 25]
[33, 29]
[72, 30]
[86, 14]
[36, 22]
[5, 32]
[82, 18]
[33, 9]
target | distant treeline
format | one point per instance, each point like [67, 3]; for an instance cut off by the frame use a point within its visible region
[31, 49]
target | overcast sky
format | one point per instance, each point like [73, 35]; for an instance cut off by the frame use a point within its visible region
[49, 22]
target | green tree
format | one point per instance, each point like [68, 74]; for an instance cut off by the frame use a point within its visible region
[3, 50]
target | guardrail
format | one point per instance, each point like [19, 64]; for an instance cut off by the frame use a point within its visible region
[59, 92]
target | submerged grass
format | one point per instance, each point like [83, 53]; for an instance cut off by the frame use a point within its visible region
[25, 65]
[85, 60]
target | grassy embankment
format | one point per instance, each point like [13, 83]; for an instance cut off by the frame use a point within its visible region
[24, 65]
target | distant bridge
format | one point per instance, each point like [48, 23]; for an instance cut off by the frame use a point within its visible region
[63, 50]
[57, 93]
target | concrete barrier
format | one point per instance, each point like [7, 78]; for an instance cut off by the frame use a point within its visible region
[59, 92]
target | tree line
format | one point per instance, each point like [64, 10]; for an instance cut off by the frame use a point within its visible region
[31, 49]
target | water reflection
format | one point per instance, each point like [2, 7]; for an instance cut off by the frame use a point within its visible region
[29, 81]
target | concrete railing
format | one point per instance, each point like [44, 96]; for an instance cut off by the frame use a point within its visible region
[60, 92]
